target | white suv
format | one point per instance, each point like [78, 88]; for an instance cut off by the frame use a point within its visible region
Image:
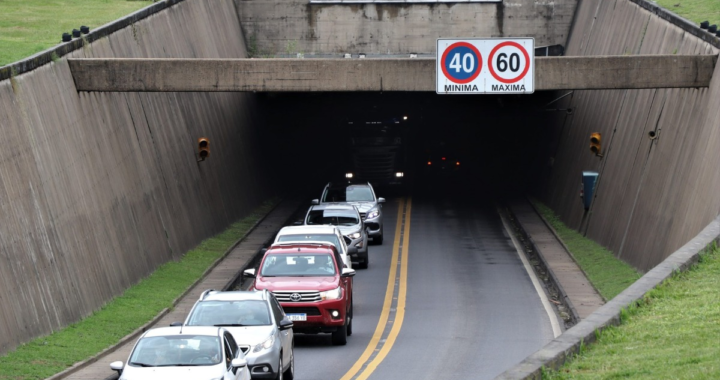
[306, 234]
[259, 325]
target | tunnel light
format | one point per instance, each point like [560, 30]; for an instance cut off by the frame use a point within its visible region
[399, 174]
[348, 175]
[361, 55]
[348, 55]
[429, 163]
[413, 55]
[443, 158]
[457, 163]
[404, 117]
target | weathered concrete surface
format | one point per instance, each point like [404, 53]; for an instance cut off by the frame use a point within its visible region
[653, 195]
[308, 75]
[278, 27]
[98, 189]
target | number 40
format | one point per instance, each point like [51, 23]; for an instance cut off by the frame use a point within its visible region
[467, 65]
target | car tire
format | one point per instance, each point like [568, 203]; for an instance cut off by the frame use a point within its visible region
[349, 326]
[339, 337]
[364, 264]
[279, 375]
[290, 372]
[378, 239]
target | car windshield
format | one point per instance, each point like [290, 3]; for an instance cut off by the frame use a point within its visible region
[333, 217]
[283, 265]
[230, 313]
[349, 194]
[177, 350]
[330, 238]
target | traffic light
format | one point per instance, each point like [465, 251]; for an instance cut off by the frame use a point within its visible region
[595, 139]
[203, 148]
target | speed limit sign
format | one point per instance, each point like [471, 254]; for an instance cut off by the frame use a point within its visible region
[485, 66]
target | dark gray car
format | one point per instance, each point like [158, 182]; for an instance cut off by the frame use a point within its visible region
[347, 218]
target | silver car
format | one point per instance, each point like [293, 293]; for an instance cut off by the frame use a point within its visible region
[347, 218]
[180, 353]
[308, 234]
[258, 324]
[362, 196]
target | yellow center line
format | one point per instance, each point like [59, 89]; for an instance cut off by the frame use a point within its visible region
[387, 304]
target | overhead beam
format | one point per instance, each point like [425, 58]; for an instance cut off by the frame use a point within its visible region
[407, 74]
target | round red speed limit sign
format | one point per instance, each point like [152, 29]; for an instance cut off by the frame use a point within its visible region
[485, 66]
[508, 62]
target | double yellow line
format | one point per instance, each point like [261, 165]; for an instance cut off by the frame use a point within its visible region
[395, 295]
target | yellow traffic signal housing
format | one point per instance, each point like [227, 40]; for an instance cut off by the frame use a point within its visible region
[203, 148]
[595, 146]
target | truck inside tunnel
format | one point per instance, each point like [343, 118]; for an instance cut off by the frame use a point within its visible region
[480, 144]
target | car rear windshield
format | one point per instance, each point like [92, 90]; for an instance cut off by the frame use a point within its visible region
[175, 350]
[230, 313]
[330, 238]
[333, 217]
[348, 194]
[307, 265]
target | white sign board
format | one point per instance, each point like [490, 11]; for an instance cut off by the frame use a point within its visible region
[485, 66]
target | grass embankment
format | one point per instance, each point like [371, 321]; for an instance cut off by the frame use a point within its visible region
[673, 334]
[46, 356]
[609, 275]
[29, 27]
[693, 10]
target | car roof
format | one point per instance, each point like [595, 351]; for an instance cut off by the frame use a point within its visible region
[294, 247]
[314, 229]
[236, 295]
[342, 184]
[184, 330]
[333, 206]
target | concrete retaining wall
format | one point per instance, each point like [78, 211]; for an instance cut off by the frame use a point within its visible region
[653, 195]
[288, 27]
[98, 189]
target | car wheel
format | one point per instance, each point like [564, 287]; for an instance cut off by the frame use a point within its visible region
[280, 369]
[350, 317]
[378, 239]
[339, 337]
[364, 264]
[290, 372]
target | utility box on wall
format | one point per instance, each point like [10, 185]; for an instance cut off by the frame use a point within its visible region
[589, 179]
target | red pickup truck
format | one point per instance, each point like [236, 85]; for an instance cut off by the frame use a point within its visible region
[309, 281]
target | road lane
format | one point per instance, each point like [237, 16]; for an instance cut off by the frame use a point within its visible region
[472, 310]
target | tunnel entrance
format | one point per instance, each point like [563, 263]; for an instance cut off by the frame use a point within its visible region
[491, 145]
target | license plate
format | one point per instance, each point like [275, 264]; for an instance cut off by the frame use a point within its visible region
[297, 317]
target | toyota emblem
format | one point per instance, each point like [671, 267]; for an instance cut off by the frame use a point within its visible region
[295, 297]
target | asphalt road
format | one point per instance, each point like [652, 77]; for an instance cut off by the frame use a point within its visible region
[462, 304]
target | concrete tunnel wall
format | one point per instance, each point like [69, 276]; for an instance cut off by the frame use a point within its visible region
[287, 27]
[653, 195]
[99, 189]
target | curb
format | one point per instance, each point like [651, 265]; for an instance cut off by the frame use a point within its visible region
[550, 227]
[574, 317]
[564, 347]
[133, 335]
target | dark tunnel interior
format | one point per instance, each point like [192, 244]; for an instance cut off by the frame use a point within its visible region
[488, 145]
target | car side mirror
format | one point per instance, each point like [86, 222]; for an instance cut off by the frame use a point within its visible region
[174, 324]
[315, 202]
[286, 324]
[352, 250]
[347, 272]
[238, 363]
[381, 200]
[117, 366]
[250, 273]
